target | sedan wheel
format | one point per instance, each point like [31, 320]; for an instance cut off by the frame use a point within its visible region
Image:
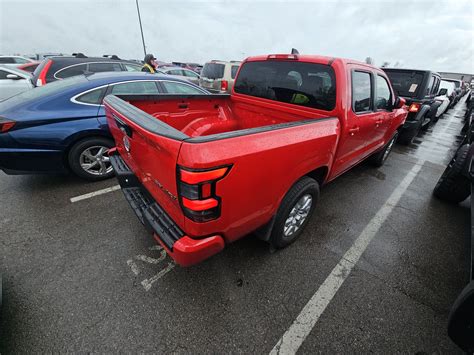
[94, 160]
[88, 158]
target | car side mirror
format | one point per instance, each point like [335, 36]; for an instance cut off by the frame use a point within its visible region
[14, 77]
[399, 102]
[442, 92]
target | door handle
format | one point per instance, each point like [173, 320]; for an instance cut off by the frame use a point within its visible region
[354, 130]
[183, 105]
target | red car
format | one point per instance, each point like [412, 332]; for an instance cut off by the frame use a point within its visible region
[203, 171]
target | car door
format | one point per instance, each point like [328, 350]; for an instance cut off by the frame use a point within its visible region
[384, 114]
[358, 130]
[10, 86]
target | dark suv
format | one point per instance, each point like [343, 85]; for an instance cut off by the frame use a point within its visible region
[55, 68]
[419, 88]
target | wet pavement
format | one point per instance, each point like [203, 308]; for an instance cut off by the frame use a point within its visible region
[85, 276]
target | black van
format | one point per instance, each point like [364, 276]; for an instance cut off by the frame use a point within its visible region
[419, 88]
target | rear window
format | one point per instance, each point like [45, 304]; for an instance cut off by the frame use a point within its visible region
[305, 84]
[405, 83]
[213, 71]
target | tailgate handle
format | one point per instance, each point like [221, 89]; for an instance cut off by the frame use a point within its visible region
[123, 126]
[183, 105]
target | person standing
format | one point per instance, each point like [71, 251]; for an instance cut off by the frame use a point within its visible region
[150, 64]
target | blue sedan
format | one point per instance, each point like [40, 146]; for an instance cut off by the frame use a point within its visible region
[61, 127]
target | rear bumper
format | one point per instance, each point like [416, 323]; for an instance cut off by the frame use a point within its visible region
[31, 161]
[184, 250]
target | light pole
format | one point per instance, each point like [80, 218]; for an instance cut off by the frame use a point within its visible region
[141, 29]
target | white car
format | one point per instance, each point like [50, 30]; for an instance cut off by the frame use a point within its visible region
[446, 90]
[13, 81]
[14, 60]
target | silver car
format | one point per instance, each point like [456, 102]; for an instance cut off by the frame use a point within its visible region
[181, 73]
[218, 76]
[13, 81]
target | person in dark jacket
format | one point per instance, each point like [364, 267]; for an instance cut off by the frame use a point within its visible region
[150, 64]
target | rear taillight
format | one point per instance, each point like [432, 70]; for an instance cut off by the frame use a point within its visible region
[42, 76]
[197, 192]
[6, 125]
[224, 85]
[414, 107]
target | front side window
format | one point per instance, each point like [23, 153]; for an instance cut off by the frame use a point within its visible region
[92, 97]
[173, 87]
[104, 67]
[383, 101]
[71, 71]
[135, 87]
[361, 91]
[190, 74]
[131, 67]
[299, 83]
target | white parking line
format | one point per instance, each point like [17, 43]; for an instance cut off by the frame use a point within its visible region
[147, 283]
[95, 193]
[290, 342]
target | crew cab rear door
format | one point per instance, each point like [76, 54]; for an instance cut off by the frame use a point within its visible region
[150, 148]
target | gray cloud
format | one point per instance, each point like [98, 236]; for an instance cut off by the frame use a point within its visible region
[435, 35]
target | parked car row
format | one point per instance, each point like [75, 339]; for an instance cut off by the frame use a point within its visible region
[428, 96]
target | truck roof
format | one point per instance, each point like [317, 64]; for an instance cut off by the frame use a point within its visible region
[309, 58]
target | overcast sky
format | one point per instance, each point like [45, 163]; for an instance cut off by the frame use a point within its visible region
[435, 35]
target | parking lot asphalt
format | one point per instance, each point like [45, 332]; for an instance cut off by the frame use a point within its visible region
[85, 275]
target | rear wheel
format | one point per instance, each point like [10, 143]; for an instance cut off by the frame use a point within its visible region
[88, 158]
[453, 186]
[378, 159]
[294, 212]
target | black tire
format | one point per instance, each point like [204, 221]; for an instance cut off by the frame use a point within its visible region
[77, 154]
[453, 185]
[305, 186]
[378, 159]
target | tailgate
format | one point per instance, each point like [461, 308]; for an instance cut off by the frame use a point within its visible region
[150, 148]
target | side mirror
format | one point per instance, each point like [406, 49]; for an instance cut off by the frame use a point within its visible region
[399, 102]
[442, 92]
[13, 77]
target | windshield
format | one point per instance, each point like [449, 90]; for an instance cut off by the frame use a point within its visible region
[213, 71]
[299, 83]
[405, 82]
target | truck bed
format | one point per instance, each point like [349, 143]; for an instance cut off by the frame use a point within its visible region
[206, 115]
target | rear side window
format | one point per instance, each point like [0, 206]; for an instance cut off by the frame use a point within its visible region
[405, 82]
[176, 72]
[92, 97]
[304, 84]
[213, 71]
[233, 71]
[383, 101]
[20, 60]
[103, 67]
[135, 87]
[430, 85]
[173, 87]
[6, 60]
[71, 71]
[361, 91]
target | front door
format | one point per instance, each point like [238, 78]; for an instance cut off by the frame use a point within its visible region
[358, 130]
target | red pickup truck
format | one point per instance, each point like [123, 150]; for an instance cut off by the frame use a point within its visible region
[201, 171]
